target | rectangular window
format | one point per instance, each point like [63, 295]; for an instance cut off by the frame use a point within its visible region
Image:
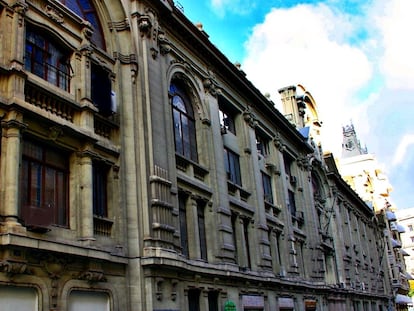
[202, 231]
[267, 188]
[262, 144]
[246, 222]
[234, 235]
[194, 299]
[101, 90]
[44, 185]
[227, 123]
[46, 59]
[99, 189]
[182, 201]
[232, 165]
[292, 203]
[287, 161]
[213, 301]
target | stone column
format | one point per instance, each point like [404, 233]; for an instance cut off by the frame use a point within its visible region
[193, 230]
[86, 197]
[12, 126]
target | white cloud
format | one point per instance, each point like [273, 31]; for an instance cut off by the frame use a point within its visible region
[402, 149]
[306, 44]
[395, 22]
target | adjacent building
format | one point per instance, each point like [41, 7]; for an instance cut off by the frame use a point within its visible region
[363, 173]
[141, 170]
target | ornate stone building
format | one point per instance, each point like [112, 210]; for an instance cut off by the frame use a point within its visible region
[141, 170]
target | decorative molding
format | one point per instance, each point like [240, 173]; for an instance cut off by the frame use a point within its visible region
[13, 267]
[145, 24]
[20, 8]
[249, 117]
[92, 276]
[210, 84]
[120, 25]
[163, 43]
[277, 140]
[55, 132]
[54, 14]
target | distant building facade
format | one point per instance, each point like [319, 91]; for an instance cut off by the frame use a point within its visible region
[364, 174]
[140, 170]
[405, 218]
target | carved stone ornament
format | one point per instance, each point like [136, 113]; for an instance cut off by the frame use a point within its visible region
[164, 43]
[87, 31]
[145, 24]
[210, 84]
[304, 162]
[53, 14]
[249, 117]
[13, 267]
[21, 8]
[278, 143]
[92, 276]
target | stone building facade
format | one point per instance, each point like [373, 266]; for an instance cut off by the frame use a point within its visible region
[141, 170]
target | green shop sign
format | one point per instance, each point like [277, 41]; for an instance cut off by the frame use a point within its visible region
[229, 306]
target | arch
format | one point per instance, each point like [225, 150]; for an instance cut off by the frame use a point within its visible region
[80, 285]
[183, 119]
[86, 10]
[181, 71]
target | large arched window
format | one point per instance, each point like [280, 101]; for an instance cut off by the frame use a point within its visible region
[86, 10]
[184, 123]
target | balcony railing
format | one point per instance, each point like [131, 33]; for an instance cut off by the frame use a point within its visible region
[49, 102]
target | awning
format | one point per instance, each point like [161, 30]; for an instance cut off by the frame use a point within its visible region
[390, 216]
[408, 276]
[403, 299]
[400, 228]
[404, 252]
[395, 243]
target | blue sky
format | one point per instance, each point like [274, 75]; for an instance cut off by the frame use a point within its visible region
[354, 57]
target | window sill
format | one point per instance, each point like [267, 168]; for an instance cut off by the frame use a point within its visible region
[190, 167]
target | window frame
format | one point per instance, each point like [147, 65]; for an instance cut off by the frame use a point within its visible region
[47, 58]
[184, 124]
[41, 158]
[232, 166]
[267, 188]
[101, 90]
[100, 188]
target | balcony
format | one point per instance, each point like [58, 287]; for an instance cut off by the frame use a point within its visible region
[49, 102]
[102, 226]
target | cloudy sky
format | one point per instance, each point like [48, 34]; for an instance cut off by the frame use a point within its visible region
[355, 57]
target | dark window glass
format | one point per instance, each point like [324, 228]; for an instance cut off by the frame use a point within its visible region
[246, 241]
[44, 185]
[232, 166]
[101, 90]
[184, 123]
[182, 200]
[234, 235]
[99, 188]
[227, 122]
[287, 160]
[267, 188]
[46, 59]
[202, 231]
[213, 301]
[193, 300]
[292, 203]
[86, 10]
[262, 144]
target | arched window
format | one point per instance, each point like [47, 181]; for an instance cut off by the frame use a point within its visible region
[86, 10]
[184, 123]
